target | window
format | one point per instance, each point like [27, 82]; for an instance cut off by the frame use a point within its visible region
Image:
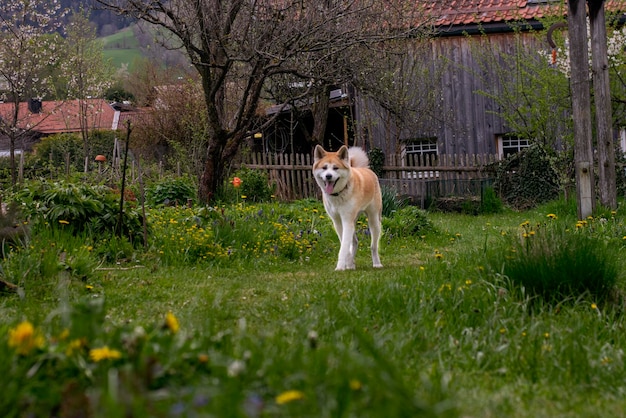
[421, 146]
[510, 144]
[414, 152]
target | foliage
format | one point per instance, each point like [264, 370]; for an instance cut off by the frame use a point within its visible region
[53, 151]
[490, 203]
[527, 178]
[79, 208]
[531, 96]
[254, 187]
[171, 191]
[392, 202]
[407, 221]
[558, 264]
[376, 158]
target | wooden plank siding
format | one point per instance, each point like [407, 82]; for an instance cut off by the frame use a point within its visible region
[417, 177]
[465, 121]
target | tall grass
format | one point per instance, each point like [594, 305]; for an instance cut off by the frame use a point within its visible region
[253, 332]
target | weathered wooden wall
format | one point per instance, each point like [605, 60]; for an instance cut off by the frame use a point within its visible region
[463, 120]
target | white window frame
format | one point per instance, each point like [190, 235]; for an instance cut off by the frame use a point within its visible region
[508, 144]
[419, 146]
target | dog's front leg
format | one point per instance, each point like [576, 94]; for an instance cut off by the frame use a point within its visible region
[347, 249]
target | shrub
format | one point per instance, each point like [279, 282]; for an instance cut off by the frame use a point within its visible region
[527, 178]
[490, 203]
[376, 157]
[255, 186]
[392, 201]
[171, 191]
[407, 221]
[556, 264]
[79, 208]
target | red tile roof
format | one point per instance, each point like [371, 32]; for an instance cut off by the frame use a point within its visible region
[467, 12]
[63, 116]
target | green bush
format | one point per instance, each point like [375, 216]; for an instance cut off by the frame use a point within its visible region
[527, 178]
[557, 264]
[255, 187]
[392, 201]
[376, 157]
[171, 191]
[79, 208]
[490, 202]
[55, 149]
[407, 221]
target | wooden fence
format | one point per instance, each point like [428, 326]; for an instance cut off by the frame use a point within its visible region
[420, 178]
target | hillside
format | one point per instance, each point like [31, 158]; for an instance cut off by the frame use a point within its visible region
[123, 48]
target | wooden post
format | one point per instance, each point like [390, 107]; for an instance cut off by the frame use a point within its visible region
[581, 106]
[602, 98]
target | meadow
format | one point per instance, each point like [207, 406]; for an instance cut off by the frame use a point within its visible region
[236, 311]
[122, 48]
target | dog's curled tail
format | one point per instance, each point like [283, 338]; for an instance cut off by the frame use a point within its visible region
[358, 157]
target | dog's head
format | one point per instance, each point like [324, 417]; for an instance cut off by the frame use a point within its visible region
[331, 169]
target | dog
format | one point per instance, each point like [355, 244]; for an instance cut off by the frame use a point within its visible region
[349, 187]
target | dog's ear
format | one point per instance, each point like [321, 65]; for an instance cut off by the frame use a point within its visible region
[319, 153]
[343, 153]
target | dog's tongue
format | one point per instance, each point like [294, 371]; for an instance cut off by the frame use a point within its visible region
[329, 187]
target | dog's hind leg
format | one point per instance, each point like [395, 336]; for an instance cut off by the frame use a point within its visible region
[374, 223]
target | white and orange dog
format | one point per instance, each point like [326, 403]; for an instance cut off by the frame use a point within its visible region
[349, 187]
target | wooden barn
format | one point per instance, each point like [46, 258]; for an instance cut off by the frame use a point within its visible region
[455, 75]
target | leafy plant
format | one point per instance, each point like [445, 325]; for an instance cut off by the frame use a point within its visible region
[392, 201]
[79, 208]
[172, 191]
[254, 186]
[407, 221]
[376, 157]
[490, 203]
[527, 178]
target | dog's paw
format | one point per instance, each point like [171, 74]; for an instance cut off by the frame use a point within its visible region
[345, 267]
[378, 266]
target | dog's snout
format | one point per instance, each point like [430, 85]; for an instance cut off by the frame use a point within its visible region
[329, 176]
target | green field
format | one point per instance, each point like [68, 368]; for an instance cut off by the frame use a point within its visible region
[236, 310]
[122, 48]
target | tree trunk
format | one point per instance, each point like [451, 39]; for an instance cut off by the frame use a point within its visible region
[320, 116]
[602, 97]
[581, 105]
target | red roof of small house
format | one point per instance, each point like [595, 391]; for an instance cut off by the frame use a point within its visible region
[468, 12]
[63, 116]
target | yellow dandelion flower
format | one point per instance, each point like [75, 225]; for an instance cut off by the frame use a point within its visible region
[594, 306]
[63, 222]
[551, 216]
[289, 396]
[355, 384]
[75, 346]
[25, 338]
[171, 322]
[104, 353]
[438, 256]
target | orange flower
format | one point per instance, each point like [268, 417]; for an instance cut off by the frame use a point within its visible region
[236, 182]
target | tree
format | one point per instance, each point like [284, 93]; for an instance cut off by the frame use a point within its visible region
[28, 47]
[85, 72]
[240, 47]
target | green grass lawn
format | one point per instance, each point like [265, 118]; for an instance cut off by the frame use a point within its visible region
[265, 327]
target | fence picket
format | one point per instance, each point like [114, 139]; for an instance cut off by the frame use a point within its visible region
[417, 176]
